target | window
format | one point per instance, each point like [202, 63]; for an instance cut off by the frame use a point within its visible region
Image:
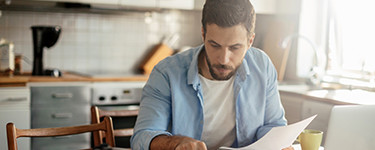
[351, 32]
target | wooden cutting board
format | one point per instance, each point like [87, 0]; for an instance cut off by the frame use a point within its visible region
[158, 53]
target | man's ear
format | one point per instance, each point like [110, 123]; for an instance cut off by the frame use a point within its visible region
[251, 40]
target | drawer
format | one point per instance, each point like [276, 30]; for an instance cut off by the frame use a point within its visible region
[59, 116]
[78, 141]
[310, 108]
[57, 96]
[293, 107]
[14, 98]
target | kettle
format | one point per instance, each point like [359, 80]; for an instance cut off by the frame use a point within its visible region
[6, 55]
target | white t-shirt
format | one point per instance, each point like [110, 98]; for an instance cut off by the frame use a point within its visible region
[219, 112]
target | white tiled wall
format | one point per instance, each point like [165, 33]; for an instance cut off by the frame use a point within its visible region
[100, 42]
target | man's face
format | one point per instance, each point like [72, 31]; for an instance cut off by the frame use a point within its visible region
[225, 49]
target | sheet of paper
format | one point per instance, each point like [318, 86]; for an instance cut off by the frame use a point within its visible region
[278, 137]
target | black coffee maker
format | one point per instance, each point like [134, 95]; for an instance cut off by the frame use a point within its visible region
[43, 36]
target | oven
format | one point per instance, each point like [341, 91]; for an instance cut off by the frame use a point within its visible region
[118, 96]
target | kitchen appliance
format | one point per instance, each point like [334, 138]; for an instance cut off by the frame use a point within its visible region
[118, 96]
[6, 55]
[117, 93]
[43, 36]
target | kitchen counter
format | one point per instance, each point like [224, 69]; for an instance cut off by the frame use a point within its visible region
[301, 101]
[335, 97]
[22, 80]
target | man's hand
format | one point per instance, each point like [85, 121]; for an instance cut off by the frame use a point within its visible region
[288, 148]
[187, 143]
[164, 142]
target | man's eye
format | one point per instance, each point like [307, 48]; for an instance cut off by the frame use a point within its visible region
[234, 48]
[216, 46]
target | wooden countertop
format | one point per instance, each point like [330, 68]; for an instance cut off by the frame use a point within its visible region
[22, 80]
[336, 97]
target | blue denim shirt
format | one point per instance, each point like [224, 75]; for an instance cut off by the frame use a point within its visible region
[172, 100]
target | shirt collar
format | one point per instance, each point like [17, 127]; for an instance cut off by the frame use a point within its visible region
[244, 70]
[193, 78]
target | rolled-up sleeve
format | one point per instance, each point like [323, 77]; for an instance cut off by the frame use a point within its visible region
[155, 111]
[274, 111]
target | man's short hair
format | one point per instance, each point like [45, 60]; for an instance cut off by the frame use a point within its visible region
[228, 13]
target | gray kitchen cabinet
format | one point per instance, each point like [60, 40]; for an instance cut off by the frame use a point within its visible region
[14, 107]
[264, 6]
[322, 109]
[176, 4]
[137, 3]
[276, 6]
[59, 106]
[164, 4]
[298, 107]
[292, 106]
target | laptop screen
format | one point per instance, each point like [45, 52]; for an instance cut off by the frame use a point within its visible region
[351, 127]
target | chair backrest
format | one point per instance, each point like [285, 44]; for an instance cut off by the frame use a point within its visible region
[13, 133]
[97, 113]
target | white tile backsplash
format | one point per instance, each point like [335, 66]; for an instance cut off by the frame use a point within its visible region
[100, 42]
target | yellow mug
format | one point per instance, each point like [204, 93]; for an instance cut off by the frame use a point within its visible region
[310, 139]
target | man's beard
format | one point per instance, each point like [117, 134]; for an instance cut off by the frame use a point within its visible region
[216, 76]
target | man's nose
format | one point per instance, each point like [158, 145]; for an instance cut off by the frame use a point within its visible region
[224, 57]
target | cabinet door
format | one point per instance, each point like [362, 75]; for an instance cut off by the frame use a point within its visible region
[106, 2]
[138, 3]
[323, 110]
[53, 116]
[292, 106]
[21, 118]
[59, 106]
[176, 4]
[59, 96]
[264, 6]
[69, 142]
[14, 98]
[14, 107]
[260, 6]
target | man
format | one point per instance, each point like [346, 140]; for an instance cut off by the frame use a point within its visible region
[223, 93]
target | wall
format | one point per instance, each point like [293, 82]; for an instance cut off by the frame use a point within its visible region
[117, 42]
[114, 42]
[270, 32]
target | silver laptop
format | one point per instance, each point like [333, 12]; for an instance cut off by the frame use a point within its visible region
[351, 127]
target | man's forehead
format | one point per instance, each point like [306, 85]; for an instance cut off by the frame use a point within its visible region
[229, 36]
[216, 43]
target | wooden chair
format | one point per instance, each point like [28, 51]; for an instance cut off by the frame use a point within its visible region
[97, 113]
[13, 133]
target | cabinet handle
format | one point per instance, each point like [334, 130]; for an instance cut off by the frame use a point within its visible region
[62, 115]
[16, 99]
[62, 95]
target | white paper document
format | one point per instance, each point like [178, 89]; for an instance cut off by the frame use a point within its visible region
[278, 137]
